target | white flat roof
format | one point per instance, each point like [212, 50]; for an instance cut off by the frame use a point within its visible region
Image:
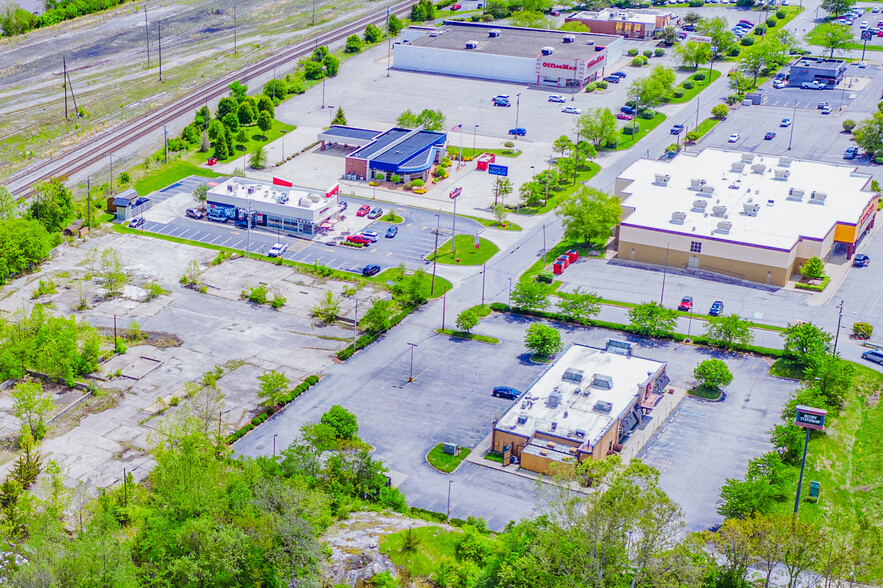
[830, 194]
[258, 192]
[618, 14]
[582, 412]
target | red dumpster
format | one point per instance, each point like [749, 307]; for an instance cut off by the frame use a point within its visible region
[564, 259]
[558, 268]
[484, 160]
[572, 255]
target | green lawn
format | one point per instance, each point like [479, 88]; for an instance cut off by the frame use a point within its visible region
[468, 152]
[394, 274]
[434, 546]
[169, 174]
[551, 255]
[496, 456]
[556, 194]
[466, 253]
[629, 141]
[697, 86]
[493, 224]
[255, 138]
[392, 218]
[470, 336]
[786, 368]
[444, 462]
[703, 391]
[707, 125]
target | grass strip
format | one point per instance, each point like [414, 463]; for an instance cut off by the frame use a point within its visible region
[556, 194]
[493, 224]
[465, 251]
[470, 336]
[645, 126]
[470, 153]
[698, 86]
[169, 174]
[444, 462]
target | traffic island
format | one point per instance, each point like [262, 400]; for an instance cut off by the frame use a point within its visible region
[446, 457]
[465, 251]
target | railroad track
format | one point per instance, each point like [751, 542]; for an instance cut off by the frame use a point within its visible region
[93, 150]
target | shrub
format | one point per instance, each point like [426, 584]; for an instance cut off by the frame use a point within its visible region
[780, 14]
[509, 144]
[747, 40]
[771, 22]
[591, 86]
[678, 92]
[648, 114]
[720, 111]
[395, 178]
[848, 125]
[759, 30]
[487, 18]
[648, 53]
[545, 276]
[688, 85]
[631, 129]
[862, 330]
[639, 61]
[439, 172]
[659, 52]
[475, 18]
[696, 3]
[418, 183]
[258, 294]
[693, 136]
[612, 143]
[602, 84]
[699, 76]
[632, 52]
[733, 52]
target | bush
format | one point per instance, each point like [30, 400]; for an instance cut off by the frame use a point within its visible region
[632, 52]
[545, 276]
[848, 125]
[648, 114]
[612, 143]
[720, 111]
[659, 52]
[631, 129]
[591, 86]
[734, 52]
[780, 14]
[771, 22]
[747, 40]
[639, 61]
[602, 84]
[696, 3]
[475, 18]
[688, 85]
[862, 330]
[693, 136]
[395, 178]
[759, 30]
[699, 76]
[418, 183]
[648, 53]
[487, 18]
[509, 144]
[678, 92]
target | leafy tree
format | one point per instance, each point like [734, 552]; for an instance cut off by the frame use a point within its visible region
[221, 152]
[231, 121]
[23, 242]
[530, 295]
[353, 44]
[832, 377]
[499, 213]
[422, 11]
[332, 66]
[395, 25]
[342, 421]
[496, 8]
[692, 18]
[563, 145]
[580, 305]
[833, 36]
[327, 310]
[9, 206]
[372, 34]
[813, 269]
[52, 204]
[530, 19]
[265, 104]
[226, 105]
[414, 289]
[258, 158]
[869, 134]
[651, 90]
[502, 188]
[805, 341]
[202, 118]
[319, 54]
[713, 373]
[378, 318]
[431, 120]
[693, 53]
[265, 123]
[467, 320]
[275, 90]
[597, 125]
[542, 339]
[576, 26]
[339, 117]
[837, 7]
[758, 493]
[720, 111]
[200, 194]
[31, 403]
[273, 386]
[722, 38]
[653, 319]
[669, 35]
[531, 193]
[239, 91]
[728, 331]
[588, 215]
[313, 70]
[113, 271]
[242, 136]
[849, 125]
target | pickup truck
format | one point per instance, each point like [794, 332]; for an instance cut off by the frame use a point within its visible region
[677, 130]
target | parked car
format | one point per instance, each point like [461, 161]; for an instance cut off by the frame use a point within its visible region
[624, 116]
[217, 216]
[506, 392]
[733, 138]
[611, 79]
[277, 250]
[627, 110]
[677, 130]
[555, 13]
[786, 122]
[194, 213]
[851, 153]
[519, 131]
[557, 98]
[370, 235]
[618, 74]
[690, 28]
[769, 136]
[571, 110]
[376, 212]
[457, 6]
[392, 232]
[861, 260]
[873, 355]
[370, 270]
[212, 161]
[136, 222]
[811, 86]
[779, 84]
[342, 205]
[359, 239]
[363, 210]
[717, 308]
[822, 104]
[686, 303]
[826, 110]
[501, 102]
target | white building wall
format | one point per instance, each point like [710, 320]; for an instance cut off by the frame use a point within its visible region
[614, 53]
[464, 63]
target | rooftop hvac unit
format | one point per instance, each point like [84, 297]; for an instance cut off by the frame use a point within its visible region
[471, 44]
[435, 33]
[603, 406]
[569, 38]
[699, 205]
[544, 453]
[579, 433]
[677, 218]
[785, 161]
[782, 174]
[707, 189]
[750, 209]
[724, 227]
[554, 425]
[493, 33]
[795, 194]
[662, 179]
[550, 444]
[737, 166]
[758, 168]
[718, 210]
[817, 197]
[572, 451]
[522, 419]
[602, 381]
[696, 184]
[547, 50]
[229, 187]
[554, 399]
[573, 375]
[747, 158]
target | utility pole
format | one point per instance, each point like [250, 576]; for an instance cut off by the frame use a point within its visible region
[411, 370]
[165, 133]
[111, 173]
[793, 116]
[448, 511]
[837, 332]
[159, 33]
[314, 13]
[664, 272]
[64, 83]
[147, 35]
[483, 274]
[88, 204]
[355, 324]
[388, 54]
[444, 303]
[435, 257]
[235, 50]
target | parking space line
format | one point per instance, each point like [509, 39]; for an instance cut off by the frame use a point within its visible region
[216, 238]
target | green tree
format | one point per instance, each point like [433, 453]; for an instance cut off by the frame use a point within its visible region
[226, 105]
[467, 320]
[805, 341]
[576, 26]
[238, 91]
[353, 44]
[649, 91]
[272, 386]
[395, 25]
[833, 36]
[543, 340]
[713, 373]
[31, 404]
[869, 134]
[275, 90]
[502, 188]
[9, 206]
[319, 54]
[258, 158]
[422, 11]
[530, 295]
[431, 120]
[563, 145]
[265, 104]
[339, 117]
[530, 19]
[497, 8]
[692, 18]
[200, 193]
[597, 125]
[265, 123]
[837, 7]
[588, 215]
[327, 310]
[246, 113]
[221, 152]
[813, 269]
[414, 289]
[728, 331]
[499, 213]
[113, 271]
[832, 377]
[332, 66]
[720, 111]
[372, 34]
[378, 318]
[653, 319]
[722, 38]
[342, 421]
[580, 305]
[531, 193]
[231, 121]
[693, 53]
[313, 70]
[669, 35]
[52, 204]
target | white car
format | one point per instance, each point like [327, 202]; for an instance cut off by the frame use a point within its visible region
[557, 98]
[733, 138]
[277, 250]
[571, 110]
[863, 25]
[863, 64]
[786, 122]
[779, 84]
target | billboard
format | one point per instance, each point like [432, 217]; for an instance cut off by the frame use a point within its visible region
[497, 170]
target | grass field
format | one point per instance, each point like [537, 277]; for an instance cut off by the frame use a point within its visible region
[169, 174]
[255, 138]
[492, 224]
[629, 141]
[433, 546]
[466, 253]
[441, 461]
[707, 125]
[469, 152]
[703, 391]
[697, 86]
[556, 194]
[469, 336]
[394, 274]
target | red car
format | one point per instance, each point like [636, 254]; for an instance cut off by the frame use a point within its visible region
[363, 210]
[624, 116]
[686, 303]
[358, 239]
[457, 6]
[212, 161]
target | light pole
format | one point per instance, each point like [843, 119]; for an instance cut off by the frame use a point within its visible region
[324, 69]
[575, 81]
[483, 274]
[664, 272]
[510, 293]
[837, 332]
[274, 443]
[411, 370]
[793, 116]
[435, 258]
[474, 132]
[448, 511]
[517, 107]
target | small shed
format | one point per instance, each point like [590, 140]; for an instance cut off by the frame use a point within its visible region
[73, 228]
[127, 204]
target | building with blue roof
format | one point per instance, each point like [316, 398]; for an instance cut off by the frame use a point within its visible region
[408, 153]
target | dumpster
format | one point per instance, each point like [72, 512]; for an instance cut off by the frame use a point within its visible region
[572, 255]
[558, 268]
[564, 259]
[484, 160]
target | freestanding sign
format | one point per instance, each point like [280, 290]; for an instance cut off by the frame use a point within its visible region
[811, 419]
[456, 192]
[497, 170]
[866, 35]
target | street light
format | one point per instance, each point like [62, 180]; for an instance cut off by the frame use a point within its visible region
[510, 293]
[837, 332]
[517, 107]
[411, 370]
[793, 117]
[474, 131]
[664, 272]
[274, 443]
[448, 511]
[324, 69]
[575, 82]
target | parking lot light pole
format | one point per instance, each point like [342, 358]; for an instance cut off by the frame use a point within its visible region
[448, 511]
[664, 272]
[274, 443]
[517, 107]
[474, 132]
[435, 257]
[411, 370]
[837, 332]
[509, 303]
[793, 116]
[324, 69]
[355, 325]
[575, 81]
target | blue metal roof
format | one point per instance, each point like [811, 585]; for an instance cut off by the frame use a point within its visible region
[409, 148]
[379, 145]
[351, 133]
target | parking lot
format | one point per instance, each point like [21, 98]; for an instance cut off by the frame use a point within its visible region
[414, 241]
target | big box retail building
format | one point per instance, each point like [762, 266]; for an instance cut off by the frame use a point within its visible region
[510, 54]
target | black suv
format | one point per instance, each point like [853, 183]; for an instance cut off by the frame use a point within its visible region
[506, 392]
